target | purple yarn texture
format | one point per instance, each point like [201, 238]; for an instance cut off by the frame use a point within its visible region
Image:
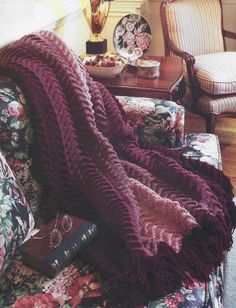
[87, 153]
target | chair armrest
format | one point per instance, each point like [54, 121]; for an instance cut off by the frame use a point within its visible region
[157, 122]
[190, 61]
[229, 34]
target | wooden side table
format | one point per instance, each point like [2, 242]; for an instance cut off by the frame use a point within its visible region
[166, 86]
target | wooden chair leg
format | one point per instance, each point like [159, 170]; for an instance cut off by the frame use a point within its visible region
[210, 123]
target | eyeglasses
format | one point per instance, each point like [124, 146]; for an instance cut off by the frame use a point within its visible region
[55, 236]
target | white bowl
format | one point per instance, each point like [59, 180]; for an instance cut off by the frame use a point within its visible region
[105, 72]
[148, 68]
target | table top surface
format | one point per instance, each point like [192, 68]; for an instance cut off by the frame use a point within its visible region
[171, 72]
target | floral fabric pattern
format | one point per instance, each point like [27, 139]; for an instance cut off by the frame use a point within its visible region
[75, 285]
[156, 121]
[78, 285]
[16, 138]
[198, 296]
[16, 219]
[16, 131]
[204, 147]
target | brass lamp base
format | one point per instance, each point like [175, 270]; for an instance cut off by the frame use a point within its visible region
[96, 47]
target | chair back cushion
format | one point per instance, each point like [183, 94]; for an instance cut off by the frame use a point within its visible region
[194, 26]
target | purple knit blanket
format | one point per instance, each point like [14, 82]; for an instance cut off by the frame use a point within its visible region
[163, 220]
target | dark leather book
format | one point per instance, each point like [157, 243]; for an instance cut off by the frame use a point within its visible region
[38, 253]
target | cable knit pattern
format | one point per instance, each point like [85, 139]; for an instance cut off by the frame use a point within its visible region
[93, 166]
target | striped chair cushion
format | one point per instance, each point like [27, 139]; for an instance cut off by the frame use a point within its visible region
[216, 72]
[217, 105]
[194, 26]
[208, 104]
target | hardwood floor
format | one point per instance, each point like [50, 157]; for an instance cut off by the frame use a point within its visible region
[226, 131]
[228, 153]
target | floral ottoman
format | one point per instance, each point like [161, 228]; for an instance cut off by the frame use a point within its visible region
[156, 121]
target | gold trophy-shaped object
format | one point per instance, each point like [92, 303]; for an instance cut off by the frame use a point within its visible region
[96, 13]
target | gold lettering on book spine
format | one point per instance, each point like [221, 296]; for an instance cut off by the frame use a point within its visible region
[67, 253]
[55, 265]
[84, 237]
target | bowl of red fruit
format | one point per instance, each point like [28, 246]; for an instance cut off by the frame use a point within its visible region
[106, 66]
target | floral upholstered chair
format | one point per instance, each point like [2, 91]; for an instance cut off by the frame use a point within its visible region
[193, 30]
[79, 285]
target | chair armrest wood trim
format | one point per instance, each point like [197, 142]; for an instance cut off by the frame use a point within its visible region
[183, 54]
[229, 34]
[190, 61]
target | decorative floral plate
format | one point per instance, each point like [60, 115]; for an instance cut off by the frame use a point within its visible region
[132, 37]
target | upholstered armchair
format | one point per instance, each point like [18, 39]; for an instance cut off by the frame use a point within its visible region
[194, 31]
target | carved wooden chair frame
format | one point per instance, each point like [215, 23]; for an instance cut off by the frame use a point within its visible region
[189, 59]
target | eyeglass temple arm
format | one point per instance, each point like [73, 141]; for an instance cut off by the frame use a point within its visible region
[56, 220]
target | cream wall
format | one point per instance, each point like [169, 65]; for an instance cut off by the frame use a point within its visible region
[18, 18]
[229, 7]
[73, 29]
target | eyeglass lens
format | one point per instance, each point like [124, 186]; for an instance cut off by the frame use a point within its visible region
[66, 223]
[55, 238]
[56, 234]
